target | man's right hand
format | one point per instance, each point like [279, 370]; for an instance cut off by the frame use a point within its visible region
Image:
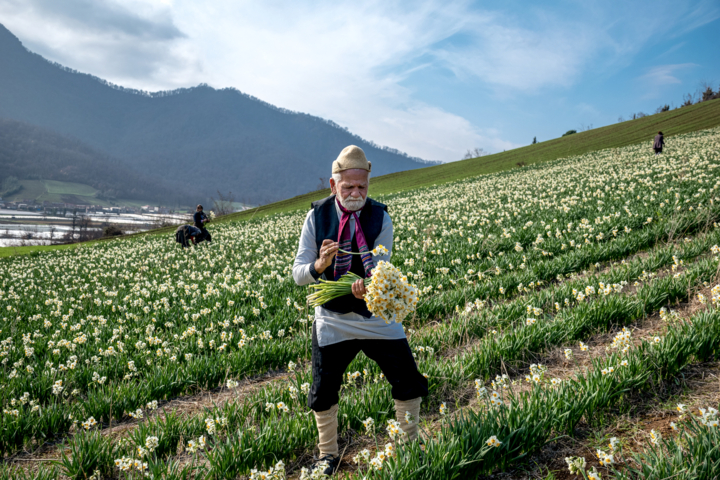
[328, 250]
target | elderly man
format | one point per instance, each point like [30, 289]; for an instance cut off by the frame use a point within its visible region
[343, 327]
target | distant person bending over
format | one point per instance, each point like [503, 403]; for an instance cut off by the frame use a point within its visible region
[200, 219]
[186, 234]
[658, 143]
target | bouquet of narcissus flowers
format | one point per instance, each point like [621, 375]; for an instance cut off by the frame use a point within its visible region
[389, 294]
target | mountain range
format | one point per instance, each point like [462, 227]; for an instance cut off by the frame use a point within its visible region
[192, 142]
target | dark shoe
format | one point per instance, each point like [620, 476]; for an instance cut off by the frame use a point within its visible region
[331, 462]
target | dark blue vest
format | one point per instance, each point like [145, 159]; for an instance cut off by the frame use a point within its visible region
[326, 227]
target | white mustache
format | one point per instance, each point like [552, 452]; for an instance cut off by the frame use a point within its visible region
[353, 203]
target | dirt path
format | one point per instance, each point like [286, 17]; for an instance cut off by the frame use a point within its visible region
[699, 386]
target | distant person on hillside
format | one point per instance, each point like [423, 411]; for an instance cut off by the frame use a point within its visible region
[344, 327]
[658, 143]
[186, 235]
[200, 219]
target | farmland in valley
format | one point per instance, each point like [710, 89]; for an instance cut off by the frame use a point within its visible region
[56, 191]
[566, 308]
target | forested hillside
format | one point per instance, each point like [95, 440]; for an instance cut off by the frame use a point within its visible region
[199, 139]
[30, 152]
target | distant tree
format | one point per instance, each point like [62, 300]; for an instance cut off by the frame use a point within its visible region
[621, 119]
[224, 204]
[85, 233]
[687, 100]
[662, 108]
[569, 132]
[476, 152]
[9, 186]
[534, 140]
[111, 231]
[107, 194]
[323, 183]
[707, 94]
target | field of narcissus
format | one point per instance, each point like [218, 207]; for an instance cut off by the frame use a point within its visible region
[558, 305]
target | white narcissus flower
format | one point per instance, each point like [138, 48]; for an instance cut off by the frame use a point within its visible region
[493, 442]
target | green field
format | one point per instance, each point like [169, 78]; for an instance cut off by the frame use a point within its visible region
[65, 192]
[55, 191]
[67, 188]
[568, 313]
[11, 251]
[31, 189]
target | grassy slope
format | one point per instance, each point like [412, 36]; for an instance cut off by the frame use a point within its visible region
[67, 188]
[674, 122]
[10, 251]
[51, 190]
[31, 189]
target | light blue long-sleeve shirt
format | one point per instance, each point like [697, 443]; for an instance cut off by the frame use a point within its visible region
[334, 327]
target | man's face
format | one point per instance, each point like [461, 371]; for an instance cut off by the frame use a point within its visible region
[352, 189]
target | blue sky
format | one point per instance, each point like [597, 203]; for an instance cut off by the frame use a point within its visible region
[432, 78]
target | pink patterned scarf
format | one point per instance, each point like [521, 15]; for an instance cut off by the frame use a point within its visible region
[344, 260]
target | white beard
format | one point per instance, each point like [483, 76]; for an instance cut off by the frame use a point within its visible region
[352, 204]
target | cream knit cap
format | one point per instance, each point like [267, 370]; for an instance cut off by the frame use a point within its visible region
[351, 157]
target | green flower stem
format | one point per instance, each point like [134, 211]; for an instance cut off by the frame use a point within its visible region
[328, 290]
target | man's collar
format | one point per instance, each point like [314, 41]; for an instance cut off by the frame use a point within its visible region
[337, 207]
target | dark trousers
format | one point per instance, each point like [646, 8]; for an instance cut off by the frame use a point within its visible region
[394, 358]
[658, 150]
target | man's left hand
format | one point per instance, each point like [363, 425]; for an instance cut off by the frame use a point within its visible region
[358, 289]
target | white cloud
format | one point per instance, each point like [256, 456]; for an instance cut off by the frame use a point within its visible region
[672, 49]
[520, 59]
[658, 77]
[337, 61]
[345, 61]
[665, 74]
[129, 44]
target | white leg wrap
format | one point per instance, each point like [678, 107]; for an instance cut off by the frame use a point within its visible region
[401, 409]
[327, 425]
